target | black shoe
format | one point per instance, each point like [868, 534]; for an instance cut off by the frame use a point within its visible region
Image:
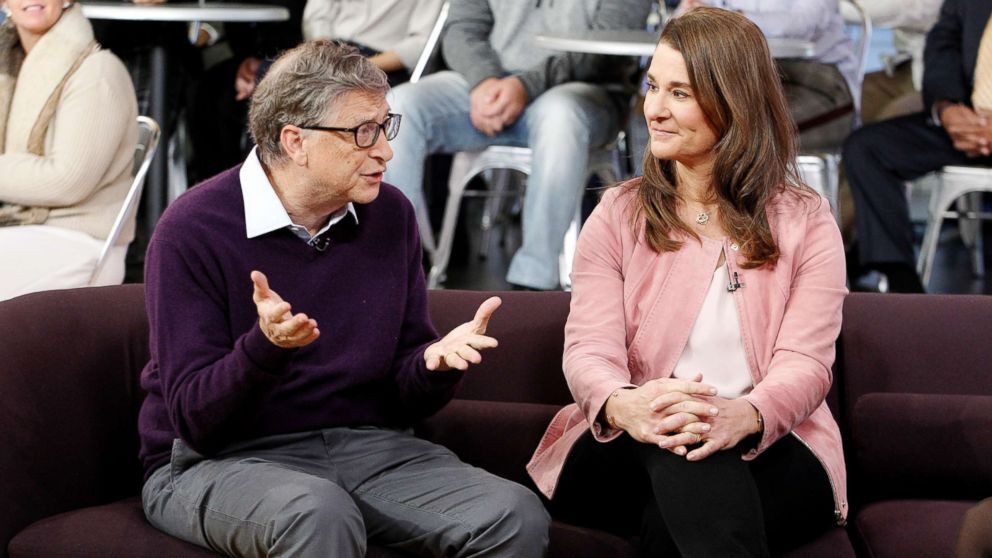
[902, 278]
[515, 287]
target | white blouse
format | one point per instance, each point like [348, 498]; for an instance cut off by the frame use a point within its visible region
[715, 348]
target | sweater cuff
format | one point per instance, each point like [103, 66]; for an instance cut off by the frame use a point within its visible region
[477, 74]
[261, 352]
[534, 84]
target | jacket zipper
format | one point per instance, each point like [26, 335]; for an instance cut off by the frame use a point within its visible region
[734, 280]
[833, 488]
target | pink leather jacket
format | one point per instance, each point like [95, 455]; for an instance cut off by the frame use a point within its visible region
[632, 310]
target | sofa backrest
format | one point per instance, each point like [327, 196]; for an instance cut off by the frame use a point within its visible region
[526, 366]
[69, 364]
[915, 378]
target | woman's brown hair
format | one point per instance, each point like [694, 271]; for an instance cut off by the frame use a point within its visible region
[739, 91]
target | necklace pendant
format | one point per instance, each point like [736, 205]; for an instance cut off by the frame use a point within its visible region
[702, 218]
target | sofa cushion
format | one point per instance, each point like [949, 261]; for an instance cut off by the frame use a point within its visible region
[530, 328]
[832, 544]
[917, 528]
[897, 343]
[910, 445]
[500, 437]
[118, 529]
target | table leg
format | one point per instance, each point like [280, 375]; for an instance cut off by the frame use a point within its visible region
[155, 192]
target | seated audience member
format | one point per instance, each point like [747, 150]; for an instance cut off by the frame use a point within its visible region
[975, 539]
[953, 129]
[822, 91]
[292, 350]
[67, 139]
[502, 90]
[706, 301]
[391, 32]
[895, 90]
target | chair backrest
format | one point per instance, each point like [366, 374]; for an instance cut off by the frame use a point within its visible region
[144, 151]
[430, 47]
[859, 28]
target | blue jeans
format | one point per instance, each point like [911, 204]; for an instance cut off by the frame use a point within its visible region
[560, 127]
[325, 493]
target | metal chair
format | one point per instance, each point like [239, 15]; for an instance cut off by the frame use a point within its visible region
[466, 165]
[961, 186]
[858, 23]
[427, 62]
[820, 172]
[144, 151]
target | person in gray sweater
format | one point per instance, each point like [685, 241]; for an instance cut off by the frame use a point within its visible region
[502, 89]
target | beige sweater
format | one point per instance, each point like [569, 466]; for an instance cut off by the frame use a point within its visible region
[85, 171]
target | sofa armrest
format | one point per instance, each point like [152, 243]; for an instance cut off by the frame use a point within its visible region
[498, 436]
[924, 445]
[69, 383]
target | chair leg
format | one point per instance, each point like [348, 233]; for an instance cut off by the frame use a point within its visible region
[970, 227]
[494, 206]
[928, 249]
[460, 178]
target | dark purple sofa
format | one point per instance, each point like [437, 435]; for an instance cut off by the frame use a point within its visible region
[913, 394]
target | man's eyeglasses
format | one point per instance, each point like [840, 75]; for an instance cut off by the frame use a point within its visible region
[367, 133]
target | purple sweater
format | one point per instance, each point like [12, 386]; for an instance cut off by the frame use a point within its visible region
[214, 379]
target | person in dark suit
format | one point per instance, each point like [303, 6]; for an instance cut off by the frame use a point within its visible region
[881, 157]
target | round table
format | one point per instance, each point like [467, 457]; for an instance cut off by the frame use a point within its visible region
[632, 42]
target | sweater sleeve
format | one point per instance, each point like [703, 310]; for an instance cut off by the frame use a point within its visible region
[212, 385]
[595, 360]
[92, 122]
[593, 68]
[422, 392]
[466, 45]
[799, 374]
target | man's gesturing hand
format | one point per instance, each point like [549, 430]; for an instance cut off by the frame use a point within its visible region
[275, 319]
[461, 346]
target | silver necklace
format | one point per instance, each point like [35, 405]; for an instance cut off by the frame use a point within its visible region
[702, 218]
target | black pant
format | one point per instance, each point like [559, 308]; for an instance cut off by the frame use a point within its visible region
[720, 506]
[878, 160]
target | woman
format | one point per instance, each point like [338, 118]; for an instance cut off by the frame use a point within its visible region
[706, 302]
[67, 139]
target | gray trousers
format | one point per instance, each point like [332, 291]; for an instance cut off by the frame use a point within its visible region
[814, 89]
[325, 493]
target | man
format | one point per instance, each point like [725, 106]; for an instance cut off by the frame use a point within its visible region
[881, 157]
[823, 90]
[279, 430]
[504, 90]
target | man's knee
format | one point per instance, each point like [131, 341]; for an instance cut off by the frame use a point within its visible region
[316, 517]
[518, 524]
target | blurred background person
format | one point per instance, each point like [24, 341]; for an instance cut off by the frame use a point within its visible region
[823, 91]
[67, 140]
[953, 129]
[501, 90]
[705, 306]
[391, 32]
[895, 89]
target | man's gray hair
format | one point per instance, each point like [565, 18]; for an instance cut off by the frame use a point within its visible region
[302, 87]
